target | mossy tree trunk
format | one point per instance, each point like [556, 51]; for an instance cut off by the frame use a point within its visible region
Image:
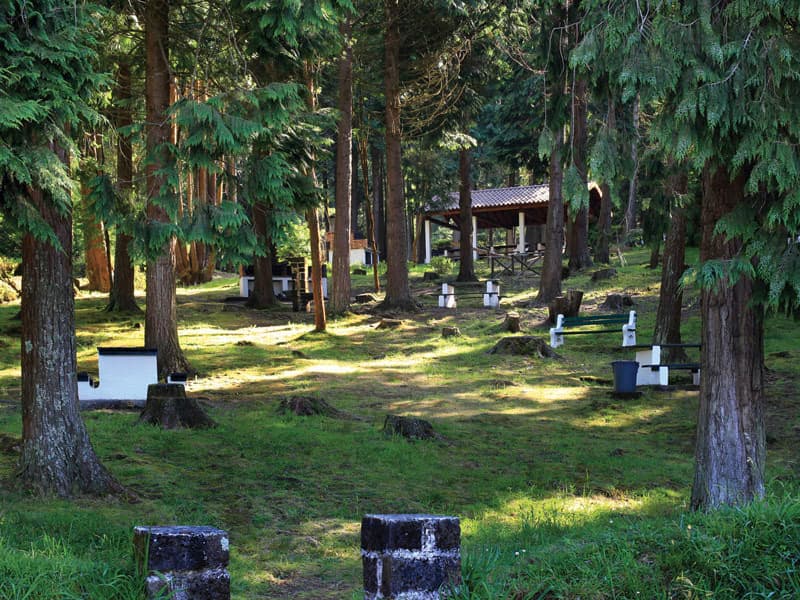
[730, 447]
[466, 266]
[550, 282]
[343, 227]
[398, 292]
[161, 324]
[57, 456]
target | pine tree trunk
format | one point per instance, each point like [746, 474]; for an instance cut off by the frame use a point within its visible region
[312, 220]
[398, 293]
[371, 225]
[550, 282]
[95, 249]
[578, 245]
[320, 320]
[668, 315]
[601, 250]
[466, 266]
[340, 294]
[730, 447]
[122, 298]
[357, 197]
[262, 296]
[378, 199]
[630, 211]
[161, 325]
[57, 456]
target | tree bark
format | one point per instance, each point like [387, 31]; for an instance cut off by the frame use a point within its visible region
[398, 293]
[262, 296]
[122, 298]
[601, 250]
[378, 199]
[371, 225]
[95, 249]
[668, 315]
[161, 325]
[630, 211]
[57, 456]
[312, 219]
[550, 282]
[578, 229]
[730, 448]
[340, 293]
[466, 266]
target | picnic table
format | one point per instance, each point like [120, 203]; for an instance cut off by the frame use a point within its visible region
[518, 262]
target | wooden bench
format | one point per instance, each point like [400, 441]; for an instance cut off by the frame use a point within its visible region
[491, 297]
[588, 325]
[652, 371]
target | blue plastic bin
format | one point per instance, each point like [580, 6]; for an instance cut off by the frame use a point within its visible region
[625, 375]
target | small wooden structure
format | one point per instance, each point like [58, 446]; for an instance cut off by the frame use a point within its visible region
[520, 212]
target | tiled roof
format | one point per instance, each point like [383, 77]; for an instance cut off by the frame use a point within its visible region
[498, 197]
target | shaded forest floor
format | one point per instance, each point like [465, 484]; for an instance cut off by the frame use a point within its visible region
[536, 456]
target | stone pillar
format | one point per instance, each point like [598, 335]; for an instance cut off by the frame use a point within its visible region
[427, 241]
[409, 557]
[521, 241]
[186, 563]
[474, 238]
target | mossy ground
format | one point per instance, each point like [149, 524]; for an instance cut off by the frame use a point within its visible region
[563, 490]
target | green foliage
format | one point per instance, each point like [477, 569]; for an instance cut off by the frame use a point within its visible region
[575, 190]
[441, 265]
[46, 49]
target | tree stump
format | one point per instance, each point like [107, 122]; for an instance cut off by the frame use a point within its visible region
[604, 274]
[450, 331]
[359, 271]
[389, 324]
[168, 407]
[617, 302]
[525, 345]
[430, 276]
[568, 305]
[365, 298]
[512, 322]
[306, 406]
[410, 428]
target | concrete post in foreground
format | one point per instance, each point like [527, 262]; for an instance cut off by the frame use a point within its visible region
[410, 557]
[184, 563]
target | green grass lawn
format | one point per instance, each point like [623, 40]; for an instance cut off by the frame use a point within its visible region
[563, 491]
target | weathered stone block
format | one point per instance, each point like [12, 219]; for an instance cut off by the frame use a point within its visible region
[410, 556]
[211, 584]
[190, 563]
[181, 548]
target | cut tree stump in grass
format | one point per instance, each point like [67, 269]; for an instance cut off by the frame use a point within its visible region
[604, 274]
[168, 407]
[307, 406]
[450, 331]
[389, 324]
[525, 345]
[617, 302]
[410, 428]
[366, 298]
[430, 276]
[512, 322]
[568, 305]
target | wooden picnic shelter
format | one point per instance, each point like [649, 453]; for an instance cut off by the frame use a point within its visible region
[519, 212]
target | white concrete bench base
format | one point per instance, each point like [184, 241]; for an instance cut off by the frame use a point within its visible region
[124, 374]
